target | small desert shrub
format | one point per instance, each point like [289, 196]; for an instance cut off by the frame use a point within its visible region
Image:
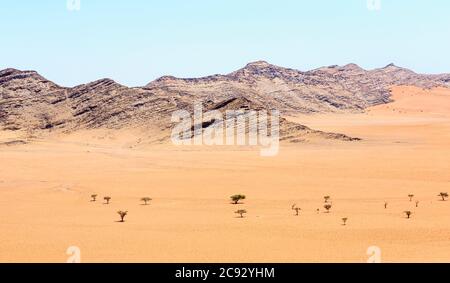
[296, 209]
[443, 195]
[94, 197]
[326, 198]
[344, 221]
[122, 215]
[146, 200]
[411, 196]
[236, 198]
[417, 203]
[327, 207]
[107, 199]
[408, 214]
[241, 212]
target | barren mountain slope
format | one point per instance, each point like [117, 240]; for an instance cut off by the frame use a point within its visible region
[32, 103]
[329, 89]
[27, 100]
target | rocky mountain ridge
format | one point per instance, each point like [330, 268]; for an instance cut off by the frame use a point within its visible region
[30, 102]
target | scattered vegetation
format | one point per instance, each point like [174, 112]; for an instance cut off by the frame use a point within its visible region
[237, 198]
[296, 209]
[146, 200]
[408, 214]
[241, 212]
[122, 215]
[443, 195]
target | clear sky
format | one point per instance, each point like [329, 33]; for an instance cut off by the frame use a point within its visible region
[136, 41]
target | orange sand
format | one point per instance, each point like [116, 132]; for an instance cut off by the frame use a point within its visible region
[45, 189]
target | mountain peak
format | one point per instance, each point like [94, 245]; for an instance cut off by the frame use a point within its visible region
[391, 65]
[102, 83]
[166, 79]
[260, 69]
[352, 66]
[394, 68]
[258, 64]
[12, 74]
[9, 71]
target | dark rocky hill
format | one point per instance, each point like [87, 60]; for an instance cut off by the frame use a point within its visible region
[32, 103]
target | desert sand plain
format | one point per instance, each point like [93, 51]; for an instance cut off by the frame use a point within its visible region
[45, 189]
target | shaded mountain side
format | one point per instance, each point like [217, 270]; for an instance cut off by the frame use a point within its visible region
[32, 103]
[328, 89]
[231, 110]
[27, 100]
[288, 131]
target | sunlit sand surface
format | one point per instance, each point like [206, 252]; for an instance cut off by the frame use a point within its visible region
[45, 189]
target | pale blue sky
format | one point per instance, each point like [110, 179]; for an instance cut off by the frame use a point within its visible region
[136, 41]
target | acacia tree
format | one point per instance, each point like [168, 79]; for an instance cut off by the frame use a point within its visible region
[241, 212]
[385, 204]
[344, 220]
[443, 195]
[411, 196]
[236, 198]
[327, 207]
[296, 209]
[146, 200]
[408, 214]
[326, 198]
[417, 203]
[122, 215]
[94, 197]
[107, 199]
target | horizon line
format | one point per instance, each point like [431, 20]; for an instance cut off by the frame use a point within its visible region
[227, 74]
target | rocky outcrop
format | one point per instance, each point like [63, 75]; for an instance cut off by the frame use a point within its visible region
[30, 102]
[328, 89]
[27, 100]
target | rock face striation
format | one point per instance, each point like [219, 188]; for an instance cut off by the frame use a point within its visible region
[32, 103]
[328, 89]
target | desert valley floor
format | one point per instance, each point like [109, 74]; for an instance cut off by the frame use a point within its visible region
[45, 189]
